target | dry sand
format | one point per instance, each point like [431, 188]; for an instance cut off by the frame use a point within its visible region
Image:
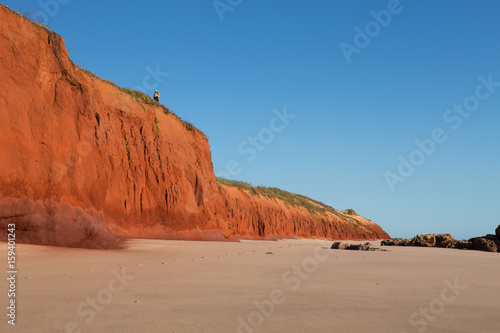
[175, 286]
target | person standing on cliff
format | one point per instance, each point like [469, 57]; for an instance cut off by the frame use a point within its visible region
[157, 96]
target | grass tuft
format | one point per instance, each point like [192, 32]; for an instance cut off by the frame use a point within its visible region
[158, 131]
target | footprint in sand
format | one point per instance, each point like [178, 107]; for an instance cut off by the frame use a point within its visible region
[67, 274]
[140, 265]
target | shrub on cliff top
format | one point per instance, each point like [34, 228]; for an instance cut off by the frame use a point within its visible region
[31, 16]
[295, 200]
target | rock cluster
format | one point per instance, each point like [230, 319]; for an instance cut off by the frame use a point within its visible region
[356, 247]
[489, 243]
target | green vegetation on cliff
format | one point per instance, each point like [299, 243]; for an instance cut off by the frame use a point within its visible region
[295, 200]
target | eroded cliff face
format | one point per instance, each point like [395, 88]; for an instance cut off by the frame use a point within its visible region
[250, 215]
[83, 162]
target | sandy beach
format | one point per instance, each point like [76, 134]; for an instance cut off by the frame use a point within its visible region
[252, 286]
[189, 169]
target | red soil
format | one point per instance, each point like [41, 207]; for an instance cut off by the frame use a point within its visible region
[83, 162]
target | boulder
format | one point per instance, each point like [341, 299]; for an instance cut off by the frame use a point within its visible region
[396, 242]
[497, 242]
[447, 243]
[463, 244]
[488, 237]
[424, 240]
[497, 232]
[340, 245]
[403, 242]
[359, 247]
[483, 244]
[350, 212]
[447, 239]
[356, 247]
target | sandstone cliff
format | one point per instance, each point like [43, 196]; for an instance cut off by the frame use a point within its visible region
[84, 162]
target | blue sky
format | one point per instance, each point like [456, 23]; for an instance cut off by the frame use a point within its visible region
[352, 119]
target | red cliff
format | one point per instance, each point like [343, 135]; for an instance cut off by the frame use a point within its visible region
[84, 162]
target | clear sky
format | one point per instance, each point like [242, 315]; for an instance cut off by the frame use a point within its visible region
[391, 108]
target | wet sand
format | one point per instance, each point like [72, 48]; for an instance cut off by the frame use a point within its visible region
[252, 286]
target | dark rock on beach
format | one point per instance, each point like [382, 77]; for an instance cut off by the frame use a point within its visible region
[356, 247]
[447, 243]
[340, 245]
[489, 242]
[424, 240]
[484, 244]
[444, 240]
[463, 245]
[360, 247]
[396, 242]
